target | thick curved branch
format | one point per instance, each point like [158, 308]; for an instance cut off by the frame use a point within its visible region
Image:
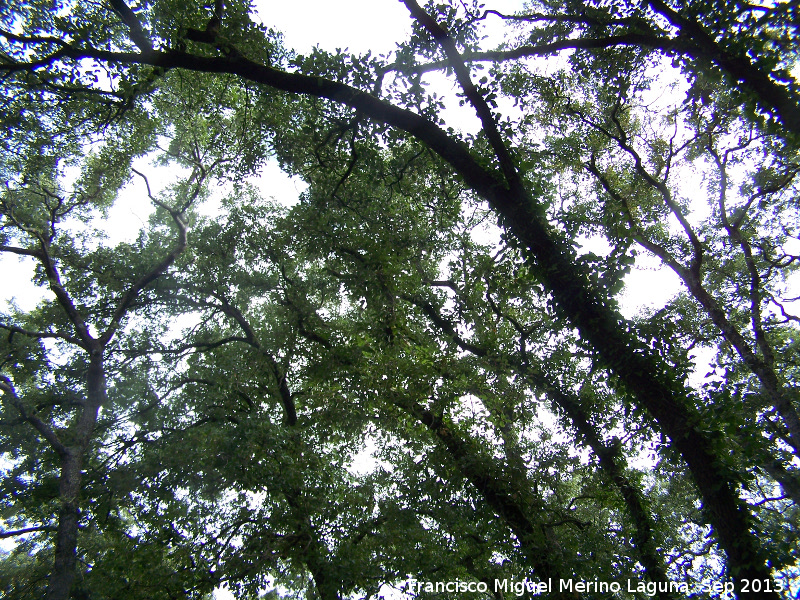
[21, 251]
[137, 32]
[497, 56]
[770, 94]
[33, 39]
[65, 300]
[492, 487]
[42, 254]
[484, 112]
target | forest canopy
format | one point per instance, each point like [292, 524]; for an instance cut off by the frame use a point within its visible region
[417, 371]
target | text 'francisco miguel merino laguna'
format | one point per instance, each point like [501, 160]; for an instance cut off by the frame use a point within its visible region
[519, 587]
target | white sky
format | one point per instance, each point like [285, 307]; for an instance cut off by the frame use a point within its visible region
[360, 25]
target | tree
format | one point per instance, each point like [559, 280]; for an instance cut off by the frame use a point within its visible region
[60, 389]
[370, 309]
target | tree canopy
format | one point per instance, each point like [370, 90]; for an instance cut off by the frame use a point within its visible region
[420, 370]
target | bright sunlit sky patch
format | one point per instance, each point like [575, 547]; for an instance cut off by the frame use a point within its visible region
[358, 25]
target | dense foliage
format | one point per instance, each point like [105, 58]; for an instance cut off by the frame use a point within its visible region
[419, 370]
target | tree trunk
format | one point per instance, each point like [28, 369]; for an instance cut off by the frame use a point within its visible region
[69, 485]
[63, 574]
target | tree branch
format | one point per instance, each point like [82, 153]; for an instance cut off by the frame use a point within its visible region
[43, 428]
[137, 32]
[21, 251]
[12, 329]
[8, 534]
[156, 271]
[769, 94]
[484, 112]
